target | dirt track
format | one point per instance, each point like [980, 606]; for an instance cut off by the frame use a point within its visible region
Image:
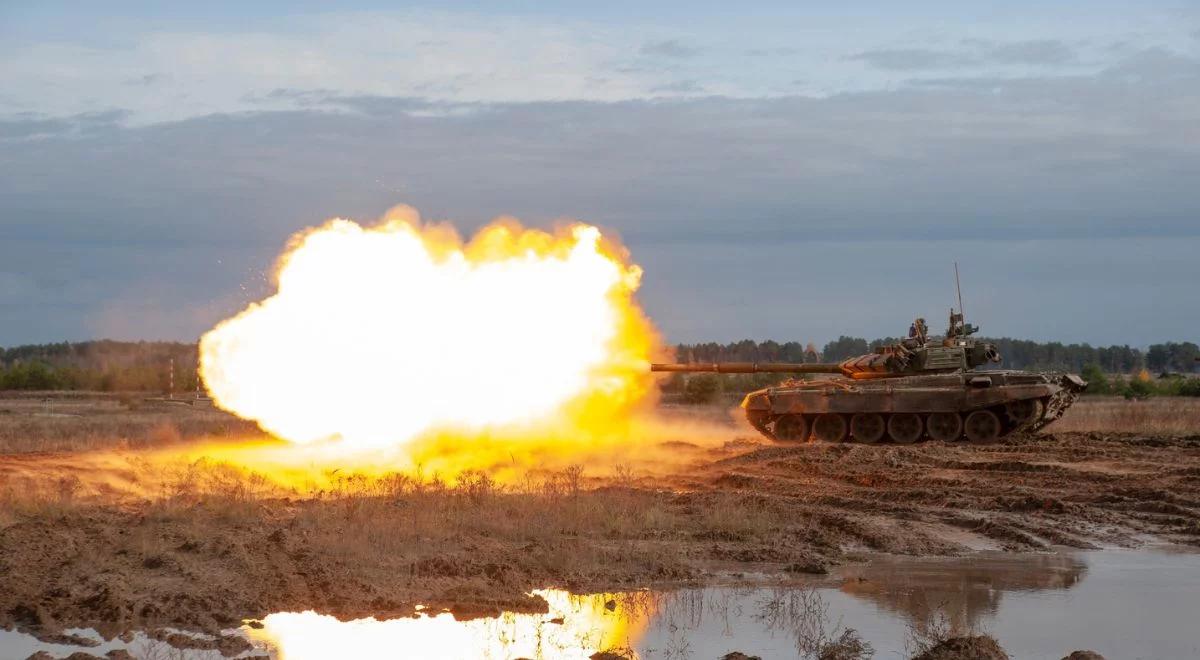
[1069, 489]
[209, 561]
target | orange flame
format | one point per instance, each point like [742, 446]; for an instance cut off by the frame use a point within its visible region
[381, 335]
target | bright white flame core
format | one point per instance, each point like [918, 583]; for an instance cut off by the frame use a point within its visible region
[377, 335]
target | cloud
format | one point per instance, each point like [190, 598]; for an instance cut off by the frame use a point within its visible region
[974, 53]
[682, 87]
[800, 289]
[1037, 52]
[298, 98]
[1156, 66]
[715, 196]
[460, 57]
[1087, 152]
[477, 57]
[149, 79]
[907, 59]
[29, 125]
[670, 48]
[782, 51]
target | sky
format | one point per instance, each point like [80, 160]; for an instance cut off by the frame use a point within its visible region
[791, 170]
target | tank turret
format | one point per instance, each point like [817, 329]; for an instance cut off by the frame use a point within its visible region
[916, 355]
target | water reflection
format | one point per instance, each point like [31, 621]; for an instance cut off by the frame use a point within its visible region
[964, 591]
[786, 621]
[574, 627]
[887, 604]
[1122, 604]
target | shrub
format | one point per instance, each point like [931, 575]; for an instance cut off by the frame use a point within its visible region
[702, 388]
[1096, 378]
[30, 376]
[1190, 387]
[1138, 389]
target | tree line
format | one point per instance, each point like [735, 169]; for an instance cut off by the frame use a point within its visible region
[107, 365]
[1118, 369]
[101, 366]
[1018, 354]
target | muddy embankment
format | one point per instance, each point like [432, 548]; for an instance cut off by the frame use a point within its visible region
[206, 561]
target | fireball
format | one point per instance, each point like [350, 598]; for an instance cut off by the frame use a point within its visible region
[379, 335]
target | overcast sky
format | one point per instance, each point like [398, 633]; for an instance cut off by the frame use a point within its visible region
[780, 170]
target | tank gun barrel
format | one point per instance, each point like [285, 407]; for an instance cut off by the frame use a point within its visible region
[748, 368]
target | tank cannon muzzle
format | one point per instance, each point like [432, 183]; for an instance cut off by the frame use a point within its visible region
[748, 368]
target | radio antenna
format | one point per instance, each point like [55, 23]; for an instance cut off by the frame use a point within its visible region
[959, 288]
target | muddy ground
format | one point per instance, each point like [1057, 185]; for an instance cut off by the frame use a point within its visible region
[206, 559]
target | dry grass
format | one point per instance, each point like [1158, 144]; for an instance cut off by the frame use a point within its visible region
[400, 507]
[1110, 414]
[357, 516]
[77, 422]
[74, 422]
[405, 513]
[369, 545]
[191, 541]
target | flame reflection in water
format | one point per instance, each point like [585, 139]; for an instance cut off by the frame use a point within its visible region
[1120, 603]
[574, 627]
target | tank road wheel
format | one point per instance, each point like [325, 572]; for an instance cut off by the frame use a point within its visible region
[982, 426]
[867, 428]
[791, 428]
[944, 426]
[759, 419]
[830, 427]
[905, 428]
[1023, 411]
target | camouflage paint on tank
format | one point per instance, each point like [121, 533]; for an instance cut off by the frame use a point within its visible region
[934, 378]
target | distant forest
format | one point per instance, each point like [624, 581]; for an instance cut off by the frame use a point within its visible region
[145, 366]
[1094, 363]
[1017, 353]
[103, 366]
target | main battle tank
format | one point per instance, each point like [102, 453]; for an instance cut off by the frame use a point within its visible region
[917, 388]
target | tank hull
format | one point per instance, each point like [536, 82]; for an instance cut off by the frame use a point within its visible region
[1018, 400]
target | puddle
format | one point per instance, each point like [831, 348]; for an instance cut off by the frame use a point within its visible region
[1123, 604]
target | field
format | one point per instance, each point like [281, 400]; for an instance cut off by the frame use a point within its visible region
[109, 519]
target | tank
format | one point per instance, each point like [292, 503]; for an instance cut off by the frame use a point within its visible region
[919, 388]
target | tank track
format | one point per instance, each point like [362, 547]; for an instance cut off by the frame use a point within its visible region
[1052, 409]
[1056, 407]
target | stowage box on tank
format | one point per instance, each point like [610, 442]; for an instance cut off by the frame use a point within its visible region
[921, 387]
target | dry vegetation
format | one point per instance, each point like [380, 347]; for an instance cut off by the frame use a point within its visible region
[1158, 415]
[58, 421]
[367, 546]
[203, 544]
